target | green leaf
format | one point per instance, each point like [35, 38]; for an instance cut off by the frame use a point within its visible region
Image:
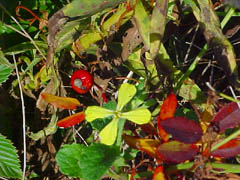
[5, 72]
[109, 133]
[125, 94]
[9, 162]
[95, 112]
[99, 124]
[158, 23]
[138, 116]
[68, 159]
[111, 105]
[25, 46]
[143, 23]
[96, 159]
[4, 60]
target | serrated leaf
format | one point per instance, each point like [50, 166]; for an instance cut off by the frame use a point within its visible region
[9, 162]
[5, 72]
[71, 120]
[182, 129]
[125, 94]
[68, 159]
[95, 112]
[61, 102]
[138, 116]
[4, 60]
[96, 159]
[109, 133]
[177, 152]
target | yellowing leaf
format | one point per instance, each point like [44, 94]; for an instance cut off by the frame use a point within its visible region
[95, 112]
[125, 94]
[158, 174]
[147, 145]
[71, 120]
[138, 116]
[61, 102]
[109, 133]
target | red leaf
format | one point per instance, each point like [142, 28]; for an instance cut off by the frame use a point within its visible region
[182, 129]
[230, 149]
[158, 173]
[177, 152]
[168, 107]
[162, 133]
[61, 102]
[147, 145]
[149, 128]
[227, 117]
[71, 120]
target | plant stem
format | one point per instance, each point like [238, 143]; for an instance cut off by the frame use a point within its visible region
[226, 168]
[232, 136]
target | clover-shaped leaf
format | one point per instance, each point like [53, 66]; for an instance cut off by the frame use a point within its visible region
[125, 94]
[109, 133]
[95, 112]
[138, 116]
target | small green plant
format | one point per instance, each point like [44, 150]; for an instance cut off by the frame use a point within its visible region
[109, 133]
[92, 162]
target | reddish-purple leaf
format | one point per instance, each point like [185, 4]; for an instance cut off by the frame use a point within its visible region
[177, 152]
[182, 129]
[227, 117]
[168, 109]
[230, 149]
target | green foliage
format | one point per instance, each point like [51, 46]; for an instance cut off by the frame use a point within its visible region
[96, 159]
[68, 159]
[5, 72]
[90, 163]
[108, 134]
[82, 31]
[9, 162]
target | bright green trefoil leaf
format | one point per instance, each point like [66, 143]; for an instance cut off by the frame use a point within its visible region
[138, 116]
[95, 112]
[125, 94]
[109, 133]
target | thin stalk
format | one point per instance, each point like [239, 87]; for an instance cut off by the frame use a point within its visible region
[226, 168]
[227, 139]
[24, 120]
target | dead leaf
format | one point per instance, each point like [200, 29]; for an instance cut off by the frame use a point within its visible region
[61, 102]
[130, 41]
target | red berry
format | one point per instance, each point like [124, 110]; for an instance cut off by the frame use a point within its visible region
[81, 81]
